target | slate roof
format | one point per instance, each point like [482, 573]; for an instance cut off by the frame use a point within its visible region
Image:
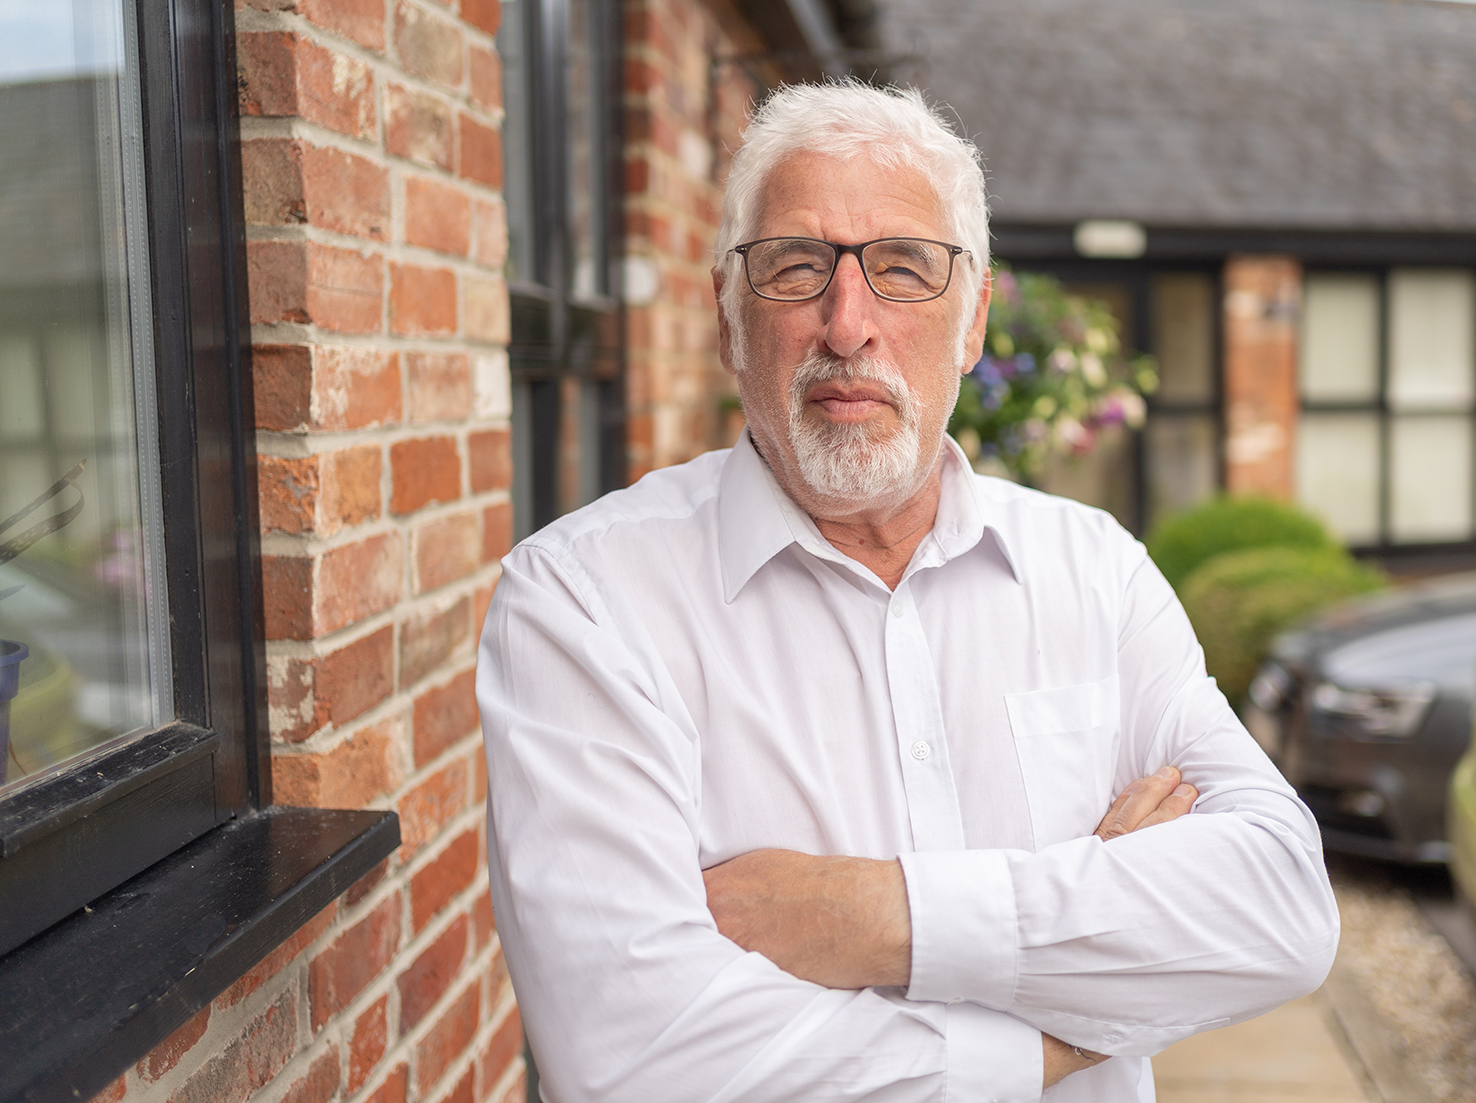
[1318, 114]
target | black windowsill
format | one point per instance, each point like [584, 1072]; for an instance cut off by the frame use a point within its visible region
[85, 999]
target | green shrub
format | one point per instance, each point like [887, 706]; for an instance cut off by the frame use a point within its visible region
[1240, 600]
[1181, 543]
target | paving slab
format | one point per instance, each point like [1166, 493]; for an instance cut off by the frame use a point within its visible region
[1295, 1054]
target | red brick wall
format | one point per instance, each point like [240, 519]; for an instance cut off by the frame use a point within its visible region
[683, 116]
[1262, 304]
[372, 172]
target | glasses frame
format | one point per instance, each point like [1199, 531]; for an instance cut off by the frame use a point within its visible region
[954, 251]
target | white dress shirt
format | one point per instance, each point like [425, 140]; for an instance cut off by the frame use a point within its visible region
[686, 670]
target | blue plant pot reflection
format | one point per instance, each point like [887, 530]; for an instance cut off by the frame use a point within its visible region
[12, 654]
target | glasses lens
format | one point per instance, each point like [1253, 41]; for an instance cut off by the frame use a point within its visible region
[790, 267]
[907, 268]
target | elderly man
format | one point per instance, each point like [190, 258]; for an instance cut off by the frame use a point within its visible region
[800, 752]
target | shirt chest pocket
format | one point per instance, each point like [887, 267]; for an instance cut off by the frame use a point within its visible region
[1066, 738]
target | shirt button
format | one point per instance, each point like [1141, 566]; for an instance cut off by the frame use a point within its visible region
[921, 750]
[897, 609]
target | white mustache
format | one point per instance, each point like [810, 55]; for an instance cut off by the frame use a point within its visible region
[820, 367]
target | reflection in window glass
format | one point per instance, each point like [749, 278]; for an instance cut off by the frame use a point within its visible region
[1338, 473]
[84, 653]
[1430, 478]
[1432, 348]
[1184, 336]
[1182, 467]
[586, 150]
[1340, 338]
[517, 183]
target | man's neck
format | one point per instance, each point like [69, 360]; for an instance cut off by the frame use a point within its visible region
[882, 538]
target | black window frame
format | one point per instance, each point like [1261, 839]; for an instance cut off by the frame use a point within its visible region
[112, 873]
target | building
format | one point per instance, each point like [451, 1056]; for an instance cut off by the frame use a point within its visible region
[1279, 200]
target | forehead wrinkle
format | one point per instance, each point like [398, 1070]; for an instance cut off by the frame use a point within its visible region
[893, 203]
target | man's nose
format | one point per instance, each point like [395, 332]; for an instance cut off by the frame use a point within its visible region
[848, 310]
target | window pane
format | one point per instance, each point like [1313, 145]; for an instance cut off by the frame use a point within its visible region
[81, 597]
[1340, 339]
[516, 126]
[1430, 478]
[1432, 312]
[1181, 462]
[586, 150]
[1184, 336]
[1338, 473]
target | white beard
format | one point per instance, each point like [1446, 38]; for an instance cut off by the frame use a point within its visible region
[857, 464]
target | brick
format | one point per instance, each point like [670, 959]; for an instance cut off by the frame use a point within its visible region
[369, 1041]
[283, 74]
[430, 806]
[422, 301]
[249, 1062]
[282, 385]
[355, 958]
[359, 20]
[444, 715]
[357, 771]
[293, 709]
[482, 922]
[437, 884]
[429, 46]
[287, 493]
[355, 581]
[479, 778]
[485, 15]
[484, 68]
[279, 958]
[489, 459]
[439, 385]
[502, 1049]
[360, 889]
[346, 193]
[287, 597]
[114, 1092]
[448, 1039]
[463, 1092]
[319, 1084]
[357, 677]
[516, 1091]
[393, 1088]
[481, 600]
[418, 126]
[354, 388]
[485, 309]
[425, 470]
[428, 639]
[447, 549]
[489, 232]
[480, 148]
[271, 180]
[497, 531]
[303, 281]
[172, 1049]
[431, 974]
[437, 216]
[350, 487]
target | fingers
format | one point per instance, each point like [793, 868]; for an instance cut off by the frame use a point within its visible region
[1173, 806]
[1137, 802]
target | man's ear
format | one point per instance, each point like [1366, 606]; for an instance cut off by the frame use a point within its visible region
[725, 336]
[974, 340]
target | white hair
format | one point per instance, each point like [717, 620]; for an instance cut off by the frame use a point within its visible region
[895, 127]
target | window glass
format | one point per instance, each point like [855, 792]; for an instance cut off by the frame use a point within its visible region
[1340, 338]
[1182, 469]
[84, 656]
[517, 185]
[1430, 478]
[1338, 472]
[1432, 353]
[1184, 336]
[586, 151]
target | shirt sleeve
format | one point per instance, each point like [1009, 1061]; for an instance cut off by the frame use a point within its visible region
[1129, 945]
[626, 987]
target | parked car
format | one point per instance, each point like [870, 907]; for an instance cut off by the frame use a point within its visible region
[1367, 708]
[1461, 825]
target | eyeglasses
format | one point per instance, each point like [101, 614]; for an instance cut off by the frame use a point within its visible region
[899, 269]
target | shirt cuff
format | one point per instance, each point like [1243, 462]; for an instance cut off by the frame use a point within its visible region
[964, 930]
[992, 1057]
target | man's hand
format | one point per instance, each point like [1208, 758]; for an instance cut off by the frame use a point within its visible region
[1157, 798]
[1061, 1060]
[840, 922]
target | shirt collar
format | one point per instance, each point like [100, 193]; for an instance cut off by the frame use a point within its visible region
[757, 520]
